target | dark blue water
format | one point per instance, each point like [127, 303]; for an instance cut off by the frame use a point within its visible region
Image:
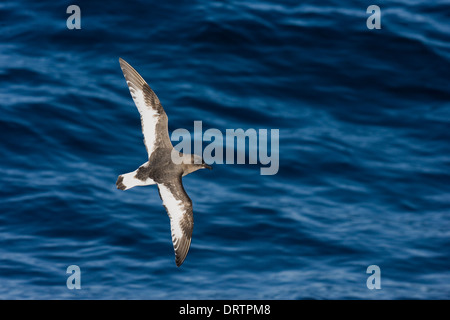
[364, 177]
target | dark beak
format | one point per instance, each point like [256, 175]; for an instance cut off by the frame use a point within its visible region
[207, 166]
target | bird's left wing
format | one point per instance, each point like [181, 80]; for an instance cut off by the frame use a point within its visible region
[153, 117]
[179, 208]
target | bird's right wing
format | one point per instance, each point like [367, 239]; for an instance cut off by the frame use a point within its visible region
[179, 208]
[153, 118]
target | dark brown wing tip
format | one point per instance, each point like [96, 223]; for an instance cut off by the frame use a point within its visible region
[128, 69]
[179, 261]
[135, 79]
[123, 62]
[181, 252]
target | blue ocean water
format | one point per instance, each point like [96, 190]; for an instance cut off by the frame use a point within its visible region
[364, 149]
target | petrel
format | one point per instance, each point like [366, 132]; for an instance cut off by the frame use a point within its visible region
[160, 169]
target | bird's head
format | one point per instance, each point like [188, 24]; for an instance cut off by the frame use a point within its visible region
[199, 162]
[195, 163]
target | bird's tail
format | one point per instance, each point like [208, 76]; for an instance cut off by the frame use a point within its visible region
[128, 180]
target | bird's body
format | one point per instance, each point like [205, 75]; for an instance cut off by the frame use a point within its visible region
[160, 168]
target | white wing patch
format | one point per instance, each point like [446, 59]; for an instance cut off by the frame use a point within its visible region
[181, 218]
[149, 118]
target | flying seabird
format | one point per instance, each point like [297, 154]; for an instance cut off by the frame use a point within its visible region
[160, 168]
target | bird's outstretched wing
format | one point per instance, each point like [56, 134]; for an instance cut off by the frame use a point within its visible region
[179, 208]
[153, 118]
